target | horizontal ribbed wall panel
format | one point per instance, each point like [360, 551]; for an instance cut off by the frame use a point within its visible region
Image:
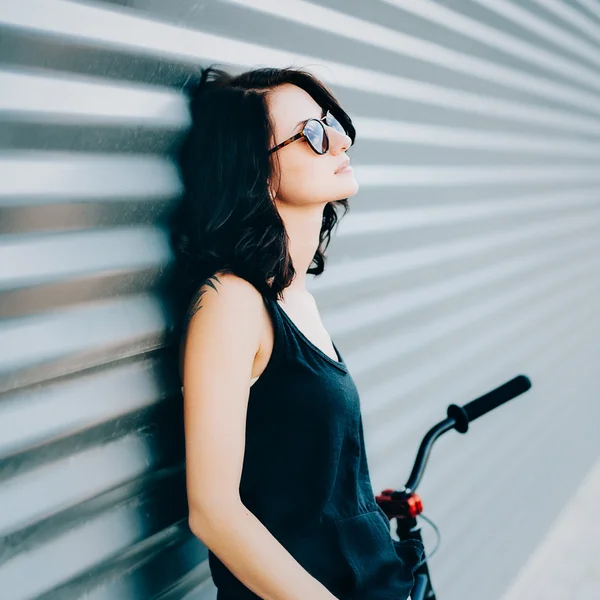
[470, 254]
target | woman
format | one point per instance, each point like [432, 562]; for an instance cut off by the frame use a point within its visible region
[277, 478]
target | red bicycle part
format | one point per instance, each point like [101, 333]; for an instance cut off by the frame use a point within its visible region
[399, 505]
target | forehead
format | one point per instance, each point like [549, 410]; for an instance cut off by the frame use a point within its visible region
[289, 104]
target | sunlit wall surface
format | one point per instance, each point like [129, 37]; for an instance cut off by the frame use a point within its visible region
[470, 255]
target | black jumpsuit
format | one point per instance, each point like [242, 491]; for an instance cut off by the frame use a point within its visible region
[305, 476]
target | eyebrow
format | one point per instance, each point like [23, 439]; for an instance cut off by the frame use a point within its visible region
[323, 113]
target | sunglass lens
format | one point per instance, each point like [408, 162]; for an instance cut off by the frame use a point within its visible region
[333, 122]
[315, 133]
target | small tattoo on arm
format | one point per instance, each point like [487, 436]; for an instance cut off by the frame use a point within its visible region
[196, 304]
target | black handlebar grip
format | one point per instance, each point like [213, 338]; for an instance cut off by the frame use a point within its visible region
[463, 415]
[507, 391]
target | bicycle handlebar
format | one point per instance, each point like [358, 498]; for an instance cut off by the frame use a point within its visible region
[459, 418]
[463, 415]
[405, 505]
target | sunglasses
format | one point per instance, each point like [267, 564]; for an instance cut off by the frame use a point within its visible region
[315, 133]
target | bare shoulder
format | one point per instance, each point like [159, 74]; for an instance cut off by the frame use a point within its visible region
[224, 295]
[227, 289]
[227, 312]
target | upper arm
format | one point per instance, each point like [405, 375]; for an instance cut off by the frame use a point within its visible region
[223, 337]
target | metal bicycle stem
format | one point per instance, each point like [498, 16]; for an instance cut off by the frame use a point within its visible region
[405, 505]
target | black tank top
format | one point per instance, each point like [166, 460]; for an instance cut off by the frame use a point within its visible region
[305, 476]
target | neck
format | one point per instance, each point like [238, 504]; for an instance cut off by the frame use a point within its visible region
[303, 226]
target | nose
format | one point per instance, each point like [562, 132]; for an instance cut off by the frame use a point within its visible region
[338, 142]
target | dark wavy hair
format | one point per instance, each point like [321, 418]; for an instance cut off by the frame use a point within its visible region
[226, 220]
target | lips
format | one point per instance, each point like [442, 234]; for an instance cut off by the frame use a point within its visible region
[343, 166]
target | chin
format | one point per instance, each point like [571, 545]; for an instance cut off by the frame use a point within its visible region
[351, 190]
[343, 192]
[347, 190]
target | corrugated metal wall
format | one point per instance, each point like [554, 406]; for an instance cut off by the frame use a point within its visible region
[470, 255]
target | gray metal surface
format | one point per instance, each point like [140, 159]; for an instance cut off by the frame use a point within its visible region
[566, 562]
[470, 254]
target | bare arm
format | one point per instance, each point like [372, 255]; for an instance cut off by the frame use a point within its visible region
[222, 341]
